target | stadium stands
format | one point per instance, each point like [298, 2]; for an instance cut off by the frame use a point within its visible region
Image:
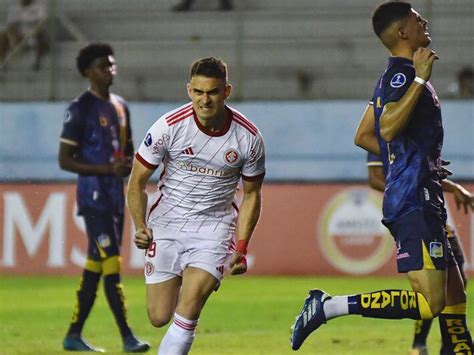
[277, 49]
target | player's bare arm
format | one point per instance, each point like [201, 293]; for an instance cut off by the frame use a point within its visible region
[376, 178]
[462, 197]
[137, 199]
[396, 115]
[248, 217]
[68, 161]
[365, 134]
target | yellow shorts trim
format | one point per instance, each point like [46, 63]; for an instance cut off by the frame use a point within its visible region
[427, 262]
[111, 265]
[93, 266]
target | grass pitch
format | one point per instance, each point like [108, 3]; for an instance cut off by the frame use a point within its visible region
[247, 316]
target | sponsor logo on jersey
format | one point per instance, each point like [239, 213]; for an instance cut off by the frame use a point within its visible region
[436, 249]
[350, 234]
[104, 240]
[231, 156]
[398, 80]
[148, 140]
[159, 143]
[202, 170]
[149, 268]
[433, 94]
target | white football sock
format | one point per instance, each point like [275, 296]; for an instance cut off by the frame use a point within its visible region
[179, 337]
[336, 306]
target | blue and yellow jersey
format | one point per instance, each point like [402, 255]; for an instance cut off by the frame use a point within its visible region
[101, 131]
[413, 178]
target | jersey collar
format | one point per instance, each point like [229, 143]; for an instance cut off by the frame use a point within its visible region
[220, 133]
[399, 60]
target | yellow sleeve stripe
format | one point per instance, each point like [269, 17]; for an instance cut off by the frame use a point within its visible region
[68, 141]
[374, 163]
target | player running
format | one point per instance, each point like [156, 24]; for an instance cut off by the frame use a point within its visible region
[205, 148]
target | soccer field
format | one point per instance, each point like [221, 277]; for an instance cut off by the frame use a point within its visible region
[248, 315]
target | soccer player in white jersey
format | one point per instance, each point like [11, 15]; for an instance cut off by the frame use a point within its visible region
[205, 147]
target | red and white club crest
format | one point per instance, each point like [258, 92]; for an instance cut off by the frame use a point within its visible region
[149, 268]
[231, 156]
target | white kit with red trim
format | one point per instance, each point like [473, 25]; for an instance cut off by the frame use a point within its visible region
[201, 169]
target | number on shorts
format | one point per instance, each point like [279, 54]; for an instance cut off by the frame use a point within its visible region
[152, 250]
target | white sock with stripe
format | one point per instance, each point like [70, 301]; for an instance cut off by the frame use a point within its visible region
[179, 336]
[336, 306]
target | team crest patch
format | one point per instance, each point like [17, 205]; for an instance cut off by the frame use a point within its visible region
[398, 80]
[67, 115]
[149, 268]
[148, 140]
[231, 156]
[103, 121]
[104, 240]
[436, 249]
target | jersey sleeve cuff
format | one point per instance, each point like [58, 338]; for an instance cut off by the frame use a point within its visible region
[253, 178]
[144, 162]
[374, 163]
[68, 141]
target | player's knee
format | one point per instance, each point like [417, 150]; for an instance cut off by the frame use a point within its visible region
[436, 304]
[158, 319]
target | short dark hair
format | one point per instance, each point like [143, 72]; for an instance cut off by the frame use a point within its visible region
[91, 52]
[387, 13]
[209, 67]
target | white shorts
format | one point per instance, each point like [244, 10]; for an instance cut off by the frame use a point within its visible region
[172, 251]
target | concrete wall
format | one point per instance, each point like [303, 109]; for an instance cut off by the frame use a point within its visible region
[310, 141]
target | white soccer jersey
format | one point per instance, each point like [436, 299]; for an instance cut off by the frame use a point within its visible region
[201, 169]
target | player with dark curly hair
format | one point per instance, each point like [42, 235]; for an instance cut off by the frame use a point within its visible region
[96, 143]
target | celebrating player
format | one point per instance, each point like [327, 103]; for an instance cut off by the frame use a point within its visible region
[96, 143]
[407, 115]
[377, 168]
[205, 148]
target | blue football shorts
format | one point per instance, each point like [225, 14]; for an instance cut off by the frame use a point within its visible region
[421, 242]
[104, 232]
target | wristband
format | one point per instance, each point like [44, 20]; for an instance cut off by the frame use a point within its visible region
[420, 80]
[242, 246]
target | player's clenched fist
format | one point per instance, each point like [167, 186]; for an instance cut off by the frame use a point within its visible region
[423, 62]
[238, 263]
[143, 238]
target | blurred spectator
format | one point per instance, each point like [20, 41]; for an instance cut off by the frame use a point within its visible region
[26, 20]
[466, 82]
[185, 5]
[464, 86]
